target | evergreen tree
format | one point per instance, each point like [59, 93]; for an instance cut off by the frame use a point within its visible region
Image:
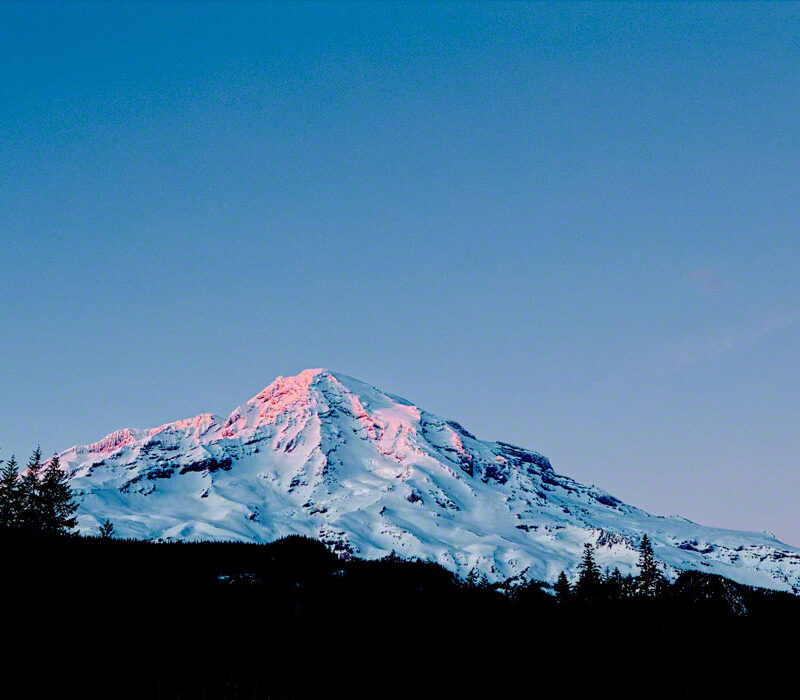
[628, 586]
[649, 582]
[10, 495]
[30, 504]
[562, 588]
[57, 508]
[615, 584]
[589, 577]
[107, 530]
[476, 579]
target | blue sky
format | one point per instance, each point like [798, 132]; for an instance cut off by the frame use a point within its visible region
[573, 227]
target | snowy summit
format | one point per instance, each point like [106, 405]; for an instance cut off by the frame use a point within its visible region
[328, 456]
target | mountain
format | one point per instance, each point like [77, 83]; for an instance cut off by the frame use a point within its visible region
[368, 473]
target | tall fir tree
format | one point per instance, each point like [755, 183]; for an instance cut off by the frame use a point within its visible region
[562, 588]
[30, 503]
[649, 582]
[55, 496]
[589, 577]
[10, 495]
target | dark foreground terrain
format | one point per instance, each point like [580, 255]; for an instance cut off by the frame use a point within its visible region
[89, 617]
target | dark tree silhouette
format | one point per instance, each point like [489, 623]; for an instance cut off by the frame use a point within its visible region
[589, 578]
[562, 588]
[107, 530]
[57, 509]
[10, 495]
[30, 502]
[614, 585]
[650, 581]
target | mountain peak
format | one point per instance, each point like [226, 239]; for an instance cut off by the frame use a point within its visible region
[368, 473]
[307, 376]
[296, 383]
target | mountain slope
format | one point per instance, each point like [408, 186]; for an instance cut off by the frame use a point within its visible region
[325, 455]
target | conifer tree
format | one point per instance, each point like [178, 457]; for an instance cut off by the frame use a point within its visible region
[588, 575]
[57, 509]
[107, 530]
[562, 588]
[628, 586]
[30, 504]
[650, 581]
[10, 495]
[615, 584]
[476, 579]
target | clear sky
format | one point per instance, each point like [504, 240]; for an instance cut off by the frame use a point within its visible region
[575, 228]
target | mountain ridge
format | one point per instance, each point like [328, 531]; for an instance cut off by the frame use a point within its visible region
[326, 455]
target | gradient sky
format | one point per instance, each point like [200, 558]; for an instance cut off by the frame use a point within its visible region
[571, 227]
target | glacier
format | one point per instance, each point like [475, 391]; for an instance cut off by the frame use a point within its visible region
[325, 455]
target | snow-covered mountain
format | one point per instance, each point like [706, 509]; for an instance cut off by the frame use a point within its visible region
[325, 455]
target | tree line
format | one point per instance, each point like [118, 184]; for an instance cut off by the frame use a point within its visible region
[593, 585]
[38, 500]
